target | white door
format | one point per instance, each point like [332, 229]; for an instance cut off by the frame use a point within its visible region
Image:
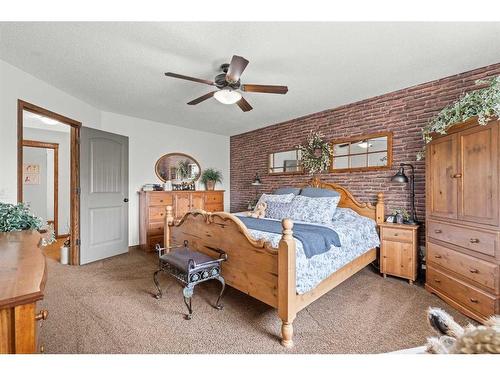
[104, 195]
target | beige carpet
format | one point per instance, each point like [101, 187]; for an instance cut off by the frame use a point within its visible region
[107, 307]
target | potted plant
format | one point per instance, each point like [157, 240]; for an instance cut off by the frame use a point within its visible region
[401, 215]
[210, 177]
[183, 168]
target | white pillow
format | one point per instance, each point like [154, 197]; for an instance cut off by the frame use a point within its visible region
[313, 210]
[282, 198]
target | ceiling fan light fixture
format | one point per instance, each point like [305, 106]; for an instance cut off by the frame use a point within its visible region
[227, 96]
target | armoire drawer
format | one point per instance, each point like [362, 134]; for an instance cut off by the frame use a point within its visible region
[161, 199]
[483, 273]
[466, 237]
[461, 292]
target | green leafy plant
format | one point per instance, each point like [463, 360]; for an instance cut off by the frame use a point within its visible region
[17, 217]
[402, 211]
[483, 102]
[211, 174]
[183, 168]
[315, 153]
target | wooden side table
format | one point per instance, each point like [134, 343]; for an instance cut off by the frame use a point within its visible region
[398, 250]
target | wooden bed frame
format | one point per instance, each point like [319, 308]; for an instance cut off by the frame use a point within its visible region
[260, 270]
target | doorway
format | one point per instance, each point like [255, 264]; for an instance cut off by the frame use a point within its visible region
[50, 121]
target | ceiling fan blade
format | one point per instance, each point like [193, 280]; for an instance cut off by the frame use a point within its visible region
[244, 105]
[202, 98]
[236, 67]
[268, 89]
[199, 80]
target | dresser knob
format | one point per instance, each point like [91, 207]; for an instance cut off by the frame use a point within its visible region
[438, 231]
[395, 234]
[473, 300]
[42, 315]
[474, 240]
[437, 280]
[473, 270]
[437, 256]
[457, 175]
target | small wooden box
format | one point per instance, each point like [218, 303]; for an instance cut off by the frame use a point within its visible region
[398, 250]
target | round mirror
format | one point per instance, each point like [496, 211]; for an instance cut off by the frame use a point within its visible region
[177, 167]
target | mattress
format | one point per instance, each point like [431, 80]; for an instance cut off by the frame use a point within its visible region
[358, 234]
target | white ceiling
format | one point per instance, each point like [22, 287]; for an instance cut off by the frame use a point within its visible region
[119, 67]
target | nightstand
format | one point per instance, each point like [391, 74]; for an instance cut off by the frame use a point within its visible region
[398, 250]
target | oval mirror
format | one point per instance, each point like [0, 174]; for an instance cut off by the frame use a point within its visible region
[177, 167]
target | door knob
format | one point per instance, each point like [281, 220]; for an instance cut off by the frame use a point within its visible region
[125, 200]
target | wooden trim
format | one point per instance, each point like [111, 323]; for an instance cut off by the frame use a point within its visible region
[173, 154]
[22, 105]
[55, 147]
[389, 136]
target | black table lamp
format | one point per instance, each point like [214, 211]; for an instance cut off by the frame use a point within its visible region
[400, 177]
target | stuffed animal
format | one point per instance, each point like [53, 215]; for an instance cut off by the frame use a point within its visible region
[259, 212]
[458, 340]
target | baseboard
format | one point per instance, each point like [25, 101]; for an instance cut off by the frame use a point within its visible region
[135, 247]
[62, 236]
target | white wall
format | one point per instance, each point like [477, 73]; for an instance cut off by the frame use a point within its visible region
[36, 195]
[64, 171]
[147, 140]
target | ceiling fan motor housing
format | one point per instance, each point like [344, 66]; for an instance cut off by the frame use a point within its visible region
[221, 82]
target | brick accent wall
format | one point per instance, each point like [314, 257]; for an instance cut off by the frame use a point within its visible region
[403, 112]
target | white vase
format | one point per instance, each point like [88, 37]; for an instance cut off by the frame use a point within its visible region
[64, 254]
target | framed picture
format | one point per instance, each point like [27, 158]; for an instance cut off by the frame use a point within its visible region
[390, 219]
[31, 179]
[31, 168]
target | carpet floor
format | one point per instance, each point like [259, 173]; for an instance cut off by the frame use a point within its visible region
[107, 307]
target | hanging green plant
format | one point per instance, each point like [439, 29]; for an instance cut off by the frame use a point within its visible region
[316, 153]
[483, 103]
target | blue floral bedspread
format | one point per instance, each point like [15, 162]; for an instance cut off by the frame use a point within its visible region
[357, 235]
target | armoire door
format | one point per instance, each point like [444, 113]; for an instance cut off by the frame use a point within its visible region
[442, 169]
[478, 186]
[182, 204]
[197, 201]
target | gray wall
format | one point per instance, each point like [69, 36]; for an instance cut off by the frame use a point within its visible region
[63, 139]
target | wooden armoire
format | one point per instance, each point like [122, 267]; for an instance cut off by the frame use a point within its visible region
[462, 218]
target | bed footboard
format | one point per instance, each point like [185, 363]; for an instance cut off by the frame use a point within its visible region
[253, 267]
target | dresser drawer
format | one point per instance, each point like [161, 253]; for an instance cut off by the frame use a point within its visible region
[473, 239]
[461, 292]
[483, 273]
[161, 199]
[397, 234]
[156, 229]
[157, 213]
[214, 207]
[213, 198]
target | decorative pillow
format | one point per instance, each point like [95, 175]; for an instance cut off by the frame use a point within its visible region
[285, 198]
[278, 210]
[318, 193]
[287, 190]
[313, 210]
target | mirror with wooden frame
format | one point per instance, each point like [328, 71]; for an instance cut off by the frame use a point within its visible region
[363, 153]
[177, 167]
[285, 162]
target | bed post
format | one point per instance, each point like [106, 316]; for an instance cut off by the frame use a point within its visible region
[287, 283]
[379, 209]
[169, 220]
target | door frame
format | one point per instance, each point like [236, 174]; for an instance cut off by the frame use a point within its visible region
[74, 251]
[55, 147]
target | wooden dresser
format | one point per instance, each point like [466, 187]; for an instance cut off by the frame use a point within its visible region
[462, 223]
[154, 203]
[22, 281]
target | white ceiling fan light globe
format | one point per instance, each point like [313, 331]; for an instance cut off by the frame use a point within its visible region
[227, 96]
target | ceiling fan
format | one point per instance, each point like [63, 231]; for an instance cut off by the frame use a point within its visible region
[228, 85]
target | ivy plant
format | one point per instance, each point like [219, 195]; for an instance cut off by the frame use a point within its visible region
[17, 217]
[483, 103]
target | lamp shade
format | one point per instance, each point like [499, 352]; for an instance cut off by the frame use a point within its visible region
[227, 96]
[400, 177]
[257, 181]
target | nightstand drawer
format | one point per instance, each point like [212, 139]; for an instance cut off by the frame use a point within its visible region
[397, 234]
[461, 292]
[483, 273]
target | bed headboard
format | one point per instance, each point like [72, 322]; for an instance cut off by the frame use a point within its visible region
[347, 200]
